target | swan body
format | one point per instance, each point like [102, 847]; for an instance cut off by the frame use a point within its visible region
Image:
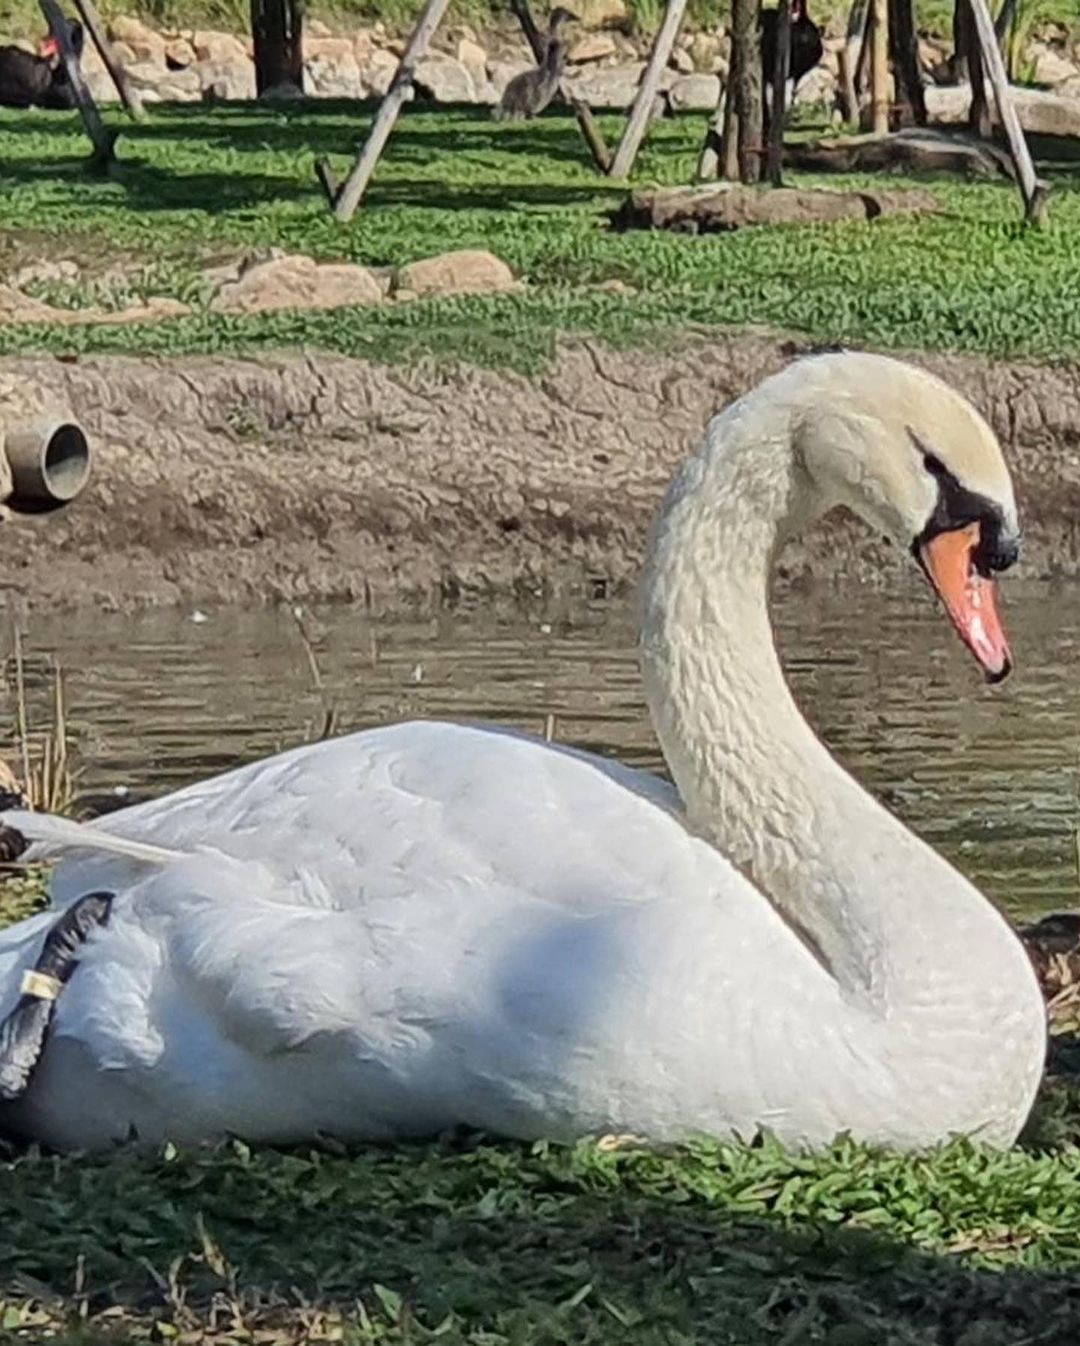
[427, 924]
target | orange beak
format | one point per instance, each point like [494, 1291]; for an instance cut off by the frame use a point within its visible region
[48, 47]
[970, 598]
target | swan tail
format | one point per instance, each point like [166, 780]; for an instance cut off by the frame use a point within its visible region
[48, 834]
[23, 1032]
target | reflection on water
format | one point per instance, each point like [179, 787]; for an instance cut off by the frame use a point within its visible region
[988, 775]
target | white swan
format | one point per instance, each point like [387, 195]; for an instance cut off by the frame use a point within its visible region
[428, 924]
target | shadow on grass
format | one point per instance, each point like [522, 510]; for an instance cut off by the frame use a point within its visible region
[495, 1240]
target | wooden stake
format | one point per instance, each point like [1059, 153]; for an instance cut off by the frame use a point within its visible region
[879, 66]
[641, 109]
[775, 161]
[102, 140]
[1034, 191]
[849, 59]
[904, 44]
[92, 23]
[350, 196]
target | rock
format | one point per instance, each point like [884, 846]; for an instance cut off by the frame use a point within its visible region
[378, 71]
[717, 208]
[219, 47]
[682, 61]
[1045, 113]
[363, 45]
[472, 55]
[226, 81]
[123, 53]
[329, 48]
[334, 79]
[607, 87]
[316, 28]
[470, 271]
[445, 80]
[697, 93]
[591, 47]
[816, 86]
[1051, 66]
[603, 13]
[706, 51]
[296, 281]
[124, 28]
[147, 78]
[179, 53]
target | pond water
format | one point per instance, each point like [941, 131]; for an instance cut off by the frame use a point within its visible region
[988, 775]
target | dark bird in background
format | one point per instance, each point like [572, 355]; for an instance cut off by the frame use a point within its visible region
[27, 80]
[807, 48]
[530, 92]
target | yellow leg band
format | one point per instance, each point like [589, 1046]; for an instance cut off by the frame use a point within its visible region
[41, 985]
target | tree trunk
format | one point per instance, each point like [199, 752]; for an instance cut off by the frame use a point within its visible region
[746, 53]
[970, 59]
[277, 32]
[776, 108]
[904, 44]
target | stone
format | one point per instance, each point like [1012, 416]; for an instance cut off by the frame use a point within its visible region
[329, 48]
[696, 93]
[816, 86]
[316, 28]
[299, 282]
[472, 55]
[705, 51]
[445, 80]
[226, 81]
[591, 47]
[1051, 66]
[603, 13]
[469, 271]
[682, 61]
[363, 45]
[124, 28]
[378, 71]
[607, 87]
[179, 53]
[334, 79]
[717, 208]
[219, 47]
[1040, 111]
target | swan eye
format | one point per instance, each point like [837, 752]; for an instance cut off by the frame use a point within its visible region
[934, 465]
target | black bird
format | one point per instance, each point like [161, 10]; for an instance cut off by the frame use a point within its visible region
[806, 45]
[27, 80]
[530, 92]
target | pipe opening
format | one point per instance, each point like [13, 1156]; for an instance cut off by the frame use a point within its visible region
[50, 465]
[66, 463]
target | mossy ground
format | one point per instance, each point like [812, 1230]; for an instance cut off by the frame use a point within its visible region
[197, 184]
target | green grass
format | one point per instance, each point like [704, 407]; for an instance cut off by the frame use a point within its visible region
[470, 1240]
[195, 185]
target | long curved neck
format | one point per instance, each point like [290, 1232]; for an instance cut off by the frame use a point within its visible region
[868, 897]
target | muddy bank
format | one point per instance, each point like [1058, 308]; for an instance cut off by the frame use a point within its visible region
[317, 477]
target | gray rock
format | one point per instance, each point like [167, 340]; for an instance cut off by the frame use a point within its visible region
[698, 93]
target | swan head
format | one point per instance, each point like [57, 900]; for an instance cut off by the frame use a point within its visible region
[917, 462]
